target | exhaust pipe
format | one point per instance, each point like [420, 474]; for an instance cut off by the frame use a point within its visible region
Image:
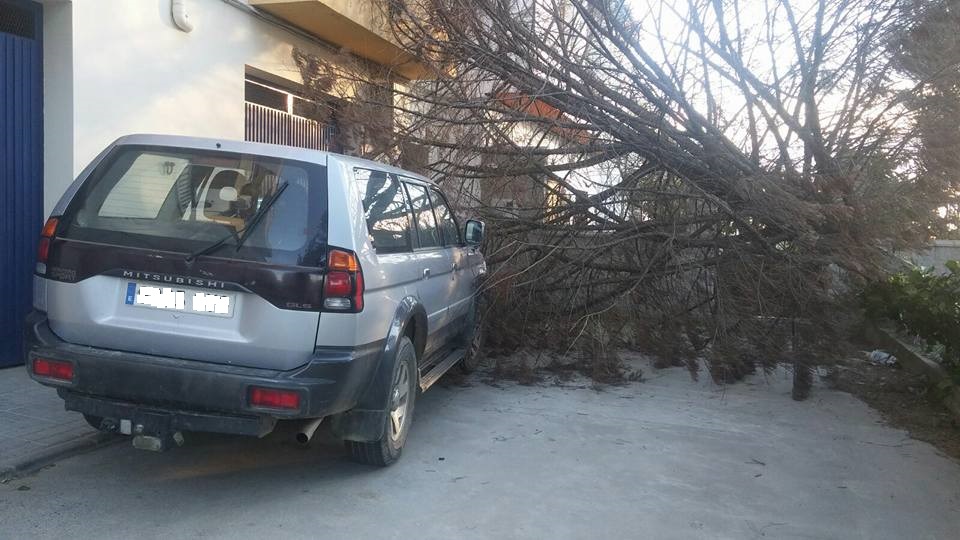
[307, 429]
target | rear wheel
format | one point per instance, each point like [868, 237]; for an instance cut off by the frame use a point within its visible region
[396, 425]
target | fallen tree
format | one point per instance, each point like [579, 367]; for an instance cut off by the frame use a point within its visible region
[701, 179]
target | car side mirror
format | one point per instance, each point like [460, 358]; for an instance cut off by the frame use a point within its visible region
[473, 232]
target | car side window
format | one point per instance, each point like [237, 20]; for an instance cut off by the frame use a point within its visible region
[448, 224]
[385, 210]
[423, 216]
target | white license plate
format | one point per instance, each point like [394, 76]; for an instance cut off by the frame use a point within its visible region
[179, 299]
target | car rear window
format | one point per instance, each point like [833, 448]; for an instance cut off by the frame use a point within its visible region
[178, 199]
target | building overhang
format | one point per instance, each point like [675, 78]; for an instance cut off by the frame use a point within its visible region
[357, 26]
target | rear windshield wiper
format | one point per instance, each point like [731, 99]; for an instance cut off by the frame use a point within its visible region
[241, 236]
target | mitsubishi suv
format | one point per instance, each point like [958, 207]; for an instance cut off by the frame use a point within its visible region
[187, 284]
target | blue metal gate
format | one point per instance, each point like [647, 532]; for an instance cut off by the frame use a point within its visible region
[21, 165]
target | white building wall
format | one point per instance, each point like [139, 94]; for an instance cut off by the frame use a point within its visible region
[133, 71]
[58, 134]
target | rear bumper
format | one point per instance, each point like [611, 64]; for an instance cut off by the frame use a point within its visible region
[199, 396]
[157, 420]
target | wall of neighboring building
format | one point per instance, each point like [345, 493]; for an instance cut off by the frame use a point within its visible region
[523, 192]
[133, 71]
[936, 256]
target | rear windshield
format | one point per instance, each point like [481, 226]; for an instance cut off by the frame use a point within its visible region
[178, 199]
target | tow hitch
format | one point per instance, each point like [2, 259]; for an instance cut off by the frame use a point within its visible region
[157, 443]
[150, 431]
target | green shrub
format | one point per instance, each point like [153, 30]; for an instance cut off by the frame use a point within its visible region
[926, 305]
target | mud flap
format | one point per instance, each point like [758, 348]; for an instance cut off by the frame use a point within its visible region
[364, 423]
[359, 425]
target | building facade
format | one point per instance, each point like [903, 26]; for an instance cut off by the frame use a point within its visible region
[76, 75]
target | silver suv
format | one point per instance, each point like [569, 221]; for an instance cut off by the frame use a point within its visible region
[188, 284]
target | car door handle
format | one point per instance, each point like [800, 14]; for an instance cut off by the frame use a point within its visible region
[426, 273]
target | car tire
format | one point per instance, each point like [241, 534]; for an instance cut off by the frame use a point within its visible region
[402, 396]
[473, 342]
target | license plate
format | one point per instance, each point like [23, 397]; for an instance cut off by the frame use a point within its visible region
[179, 299]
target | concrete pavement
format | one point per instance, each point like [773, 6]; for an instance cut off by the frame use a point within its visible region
[667, 458]
[34, 426]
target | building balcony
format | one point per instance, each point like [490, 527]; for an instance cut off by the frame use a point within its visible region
[359, 26]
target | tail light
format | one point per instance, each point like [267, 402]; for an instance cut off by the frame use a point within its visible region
[53, 369]
[343, 284]
[273, 398]
[43, 246]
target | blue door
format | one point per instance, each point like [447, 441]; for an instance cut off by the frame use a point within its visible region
[21, 165]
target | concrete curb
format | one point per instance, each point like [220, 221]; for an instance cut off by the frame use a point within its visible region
[917, 362]
[57, 452]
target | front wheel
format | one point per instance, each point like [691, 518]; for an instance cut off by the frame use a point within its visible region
[473, 342]
[399, 414]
